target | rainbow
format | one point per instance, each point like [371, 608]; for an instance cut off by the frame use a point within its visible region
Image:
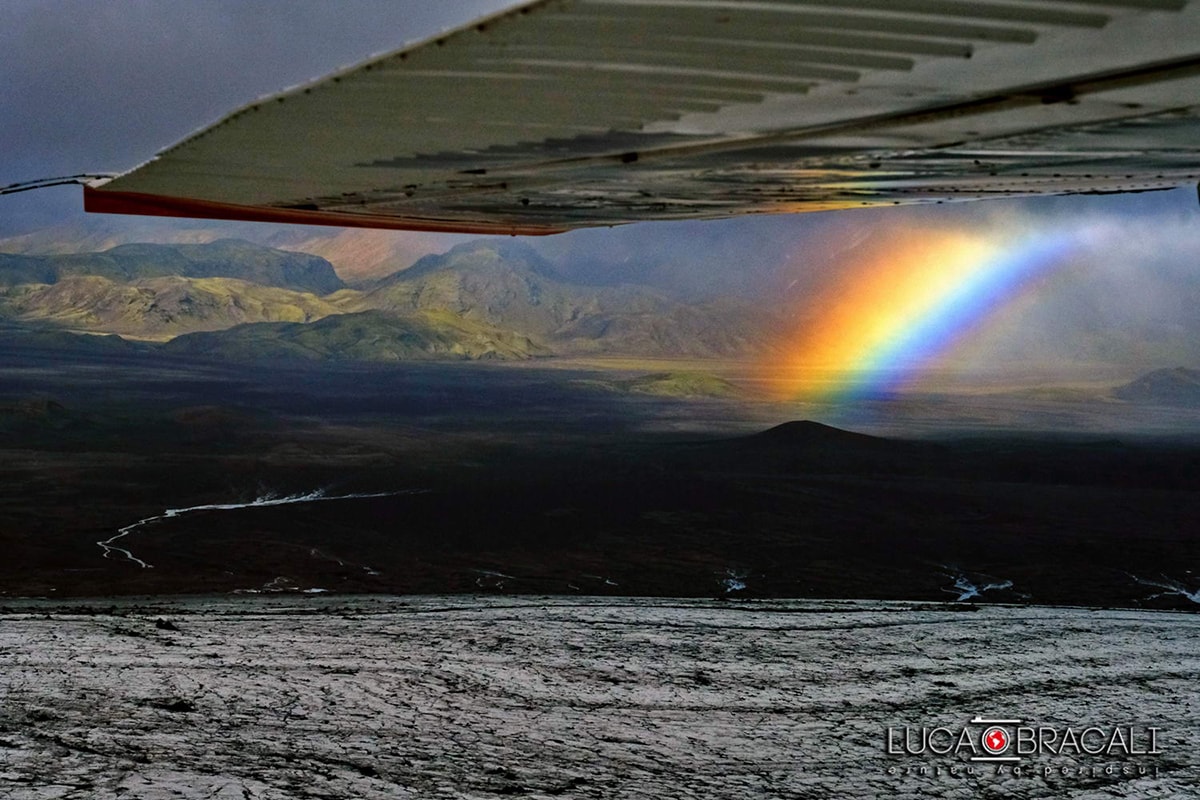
[885, 317]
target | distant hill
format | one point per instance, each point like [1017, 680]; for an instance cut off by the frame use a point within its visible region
[507, 284]
[226, 258]
[93, 233]
[808, 433]
[716, 329]
[682, 383]
[365, 336]
[50, 340]
[809, 446]
[359, 255]
[356, 254]
[1179, 386]
[35, 413]
[502, 283]
[158, 307]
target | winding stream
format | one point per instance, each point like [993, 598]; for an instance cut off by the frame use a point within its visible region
[259, 502]
[1170, 587]
[967, 589]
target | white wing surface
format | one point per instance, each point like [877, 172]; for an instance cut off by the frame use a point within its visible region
[572, 113]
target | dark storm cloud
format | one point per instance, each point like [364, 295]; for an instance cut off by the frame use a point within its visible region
[101, 86]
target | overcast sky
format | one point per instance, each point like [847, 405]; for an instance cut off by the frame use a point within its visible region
[102, 85]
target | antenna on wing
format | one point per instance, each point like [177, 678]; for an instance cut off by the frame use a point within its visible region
[82, 179]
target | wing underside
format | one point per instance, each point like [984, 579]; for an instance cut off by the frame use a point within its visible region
[562, 114]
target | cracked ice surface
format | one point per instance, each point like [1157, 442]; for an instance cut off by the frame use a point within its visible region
[325, 697]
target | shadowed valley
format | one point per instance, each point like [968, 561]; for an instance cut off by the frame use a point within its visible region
[283, 431]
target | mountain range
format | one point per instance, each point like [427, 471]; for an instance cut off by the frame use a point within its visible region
[724, 290]
[489, 298]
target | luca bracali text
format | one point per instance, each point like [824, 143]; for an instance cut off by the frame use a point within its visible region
[1004, 746]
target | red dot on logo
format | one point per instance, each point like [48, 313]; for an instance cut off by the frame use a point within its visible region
[995, 740]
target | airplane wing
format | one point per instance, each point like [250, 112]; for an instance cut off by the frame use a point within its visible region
[562, 114]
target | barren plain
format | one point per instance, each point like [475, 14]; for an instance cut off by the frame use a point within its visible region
[470, 697]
